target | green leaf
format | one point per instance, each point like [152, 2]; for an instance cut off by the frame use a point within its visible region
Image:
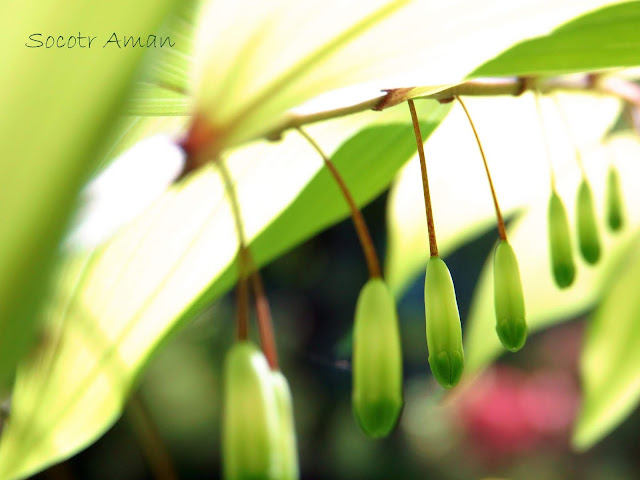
[545, 304]
[244, 86]
[133, 292]
[329, 37]
[164, 86]
[154, 100]
[170, 68]
[601, 39]
[57, 108]
[610, 361]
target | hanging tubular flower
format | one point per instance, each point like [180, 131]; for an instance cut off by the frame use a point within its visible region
[377, 360]
[615, 214]
[444, 334]
[588, 238]
[287, 444]
[250, 424]
[511, 325]
[507, 287]
[562, 264]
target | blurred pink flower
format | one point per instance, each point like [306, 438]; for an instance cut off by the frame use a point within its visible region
[507, 411]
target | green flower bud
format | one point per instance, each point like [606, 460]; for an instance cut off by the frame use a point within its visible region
[444, 334]
[287, 445]
[508, 298]
[250, 424]
[615, 215]
[377, 360]
[588, 238]
[561, 253]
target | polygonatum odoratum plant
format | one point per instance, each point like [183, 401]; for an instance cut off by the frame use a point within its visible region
[145, 187]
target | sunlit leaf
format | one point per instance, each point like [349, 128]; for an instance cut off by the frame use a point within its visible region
[131, 130]
[397, 62]
[57, 107]
[341, 44]
[143, 171]
[545, 303]
[118, 194]
[602, 39]
[610, 362]
[170, 68]
[150, 99]
[164, 86]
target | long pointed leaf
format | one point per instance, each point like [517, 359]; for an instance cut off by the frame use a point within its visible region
[57, 106]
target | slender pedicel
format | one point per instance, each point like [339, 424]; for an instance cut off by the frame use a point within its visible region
[501, 230]
[358, 220]
[265, 325]
[572, 138]
[545, 139]
[242, 297]
[433, 244]
[444, 333]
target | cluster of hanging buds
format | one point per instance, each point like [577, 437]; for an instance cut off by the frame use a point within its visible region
[259, 436]
[443, 329]
[563, 266]
[258, 432]
[259, 439]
